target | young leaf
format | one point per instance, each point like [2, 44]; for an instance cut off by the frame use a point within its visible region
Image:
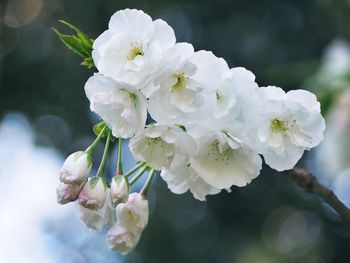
[78, 43]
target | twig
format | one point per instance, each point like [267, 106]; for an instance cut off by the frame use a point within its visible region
[306, 180]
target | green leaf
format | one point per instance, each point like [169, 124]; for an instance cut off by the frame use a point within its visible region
[84, 39]
[79, 43]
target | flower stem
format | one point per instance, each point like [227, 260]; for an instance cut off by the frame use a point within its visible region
[138, 175]
[120, 162]
[93, 146]
[101, 169]
[134, 169]
[144, 189]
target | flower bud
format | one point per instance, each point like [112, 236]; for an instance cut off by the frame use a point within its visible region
[119, 189]
[68, 192]
[76, 168]
[97, 219]
[132, 218]
[94, 193]
[121, 239]
[133, 214]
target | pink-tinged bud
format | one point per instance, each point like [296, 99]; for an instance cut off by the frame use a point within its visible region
[134, 213]
[94, 193]
[121, 239]
[97, 219]
[76, 168]
[132, 218]
[68, 192]
[119, 189]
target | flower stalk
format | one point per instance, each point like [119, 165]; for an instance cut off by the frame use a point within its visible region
[93, 146]
[145, 188]
[120, 162]
[138, 175]
[101, 168]
[134, 169]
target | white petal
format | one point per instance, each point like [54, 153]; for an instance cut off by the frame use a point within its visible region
[131, 20]
[283, 161]
[164, 34]
[211, 69]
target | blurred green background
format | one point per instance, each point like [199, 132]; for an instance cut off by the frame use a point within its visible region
[292, 44]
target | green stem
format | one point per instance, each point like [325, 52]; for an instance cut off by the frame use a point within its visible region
[101, 169]
[120, 162]
[138, 175]
[134, 169]
[148, 183]
[93, 146]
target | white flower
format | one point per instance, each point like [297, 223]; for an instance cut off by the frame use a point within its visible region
[68, 192]
[158, 144]
[131, 220]
[94, 193]
[245, 89]
[122, 107]
[222, 161]
[175, 94]
[180, 177]
[119, 189]
[288, 124]
[121, 239]
[97, 219]
[132, 49]
[76, 168]
[191, 87]
[215, 77]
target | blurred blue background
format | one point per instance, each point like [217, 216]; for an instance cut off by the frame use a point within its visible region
[44, 116]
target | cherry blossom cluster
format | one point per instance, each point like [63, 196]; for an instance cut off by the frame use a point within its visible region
[211, 126]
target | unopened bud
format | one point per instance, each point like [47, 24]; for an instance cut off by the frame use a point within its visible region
[94, 193]
[119, 189]
[76, 168]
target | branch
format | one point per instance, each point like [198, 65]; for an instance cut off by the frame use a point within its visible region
[306, 180]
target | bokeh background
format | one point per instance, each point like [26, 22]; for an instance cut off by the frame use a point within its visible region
[44, 116]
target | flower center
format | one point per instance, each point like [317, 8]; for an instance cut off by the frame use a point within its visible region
[224, 157]
[134, 52]
[279, 126]
[218, 95]
[181, 81]
[152, 141]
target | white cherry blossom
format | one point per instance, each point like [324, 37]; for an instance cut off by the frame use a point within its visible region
[122, 107]
[223, 161]
[133, 47]
[175, 93]
[215, 77]
[158, 144]
[288, 124]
